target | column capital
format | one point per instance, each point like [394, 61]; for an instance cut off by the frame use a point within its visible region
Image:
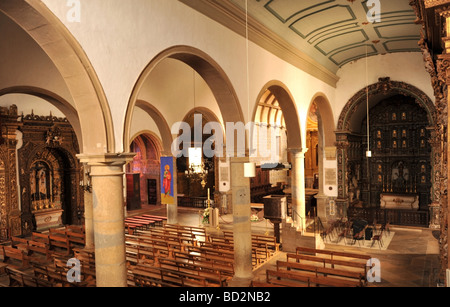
[106, 159]
[298, 151]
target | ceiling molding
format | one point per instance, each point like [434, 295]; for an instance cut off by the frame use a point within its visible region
[229, 15]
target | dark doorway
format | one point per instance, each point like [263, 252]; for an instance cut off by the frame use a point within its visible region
[152, 191]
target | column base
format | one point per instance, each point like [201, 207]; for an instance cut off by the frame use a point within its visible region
[240, 282]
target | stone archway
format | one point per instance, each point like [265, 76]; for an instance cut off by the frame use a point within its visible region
[161, 123]
[353, 116]
[276, 90]
[207, 68]
[71, 61]
[60, 103]
[324, 154]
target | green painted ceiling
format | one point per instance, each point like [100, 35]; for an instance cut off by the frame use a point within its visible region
[336, 32]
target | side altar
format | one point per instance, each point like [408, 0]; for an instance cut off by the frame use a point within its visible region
[399, 201]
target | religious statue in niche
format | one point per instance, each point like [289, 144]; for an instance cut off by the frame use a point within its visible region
[422, 143]
[394, 133]
[354, 191]
[404, 144]
[40, 180]
[403, 116]
[400, 176]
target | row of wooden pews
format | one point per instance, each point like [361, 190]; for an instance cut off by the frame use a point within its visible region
[175, 256]
[143, 222]
[41, 260]
[263, 246]
[318, 268]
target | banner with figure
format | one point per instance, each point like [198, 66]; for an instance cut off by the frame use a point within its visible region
[167, 185]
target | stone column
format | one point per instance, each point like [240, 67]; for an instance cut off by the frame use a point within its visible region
[242, 232]
[108, 217]
[88, 210]
[298, 187]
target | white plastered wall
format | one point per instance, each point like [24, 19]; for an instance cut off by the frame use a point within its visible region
[120, 39]
[406, 67]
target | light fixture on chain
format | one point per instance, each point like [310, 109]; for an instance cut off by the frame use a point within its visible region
[249, 167]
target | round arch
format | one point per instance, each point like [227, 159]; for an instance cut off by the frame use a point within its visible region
[153, 138]
[290, 115]
[385, 87]
[60, 103]
[161, 123]
[73, 64]
[326, 119]
[207, 68]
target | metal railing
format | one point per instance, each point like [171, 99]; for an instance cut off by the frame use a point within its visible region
[392, 216]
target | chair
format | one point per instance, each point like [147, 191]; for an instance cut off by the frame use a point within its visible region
[345, 232]
[359, 236]
[378, 238]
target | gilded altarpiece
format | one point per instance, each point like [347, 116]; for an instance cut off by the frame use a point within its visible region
[10, 219]
[43, 174]
[361, 182]
[434, 16]
[49, 174]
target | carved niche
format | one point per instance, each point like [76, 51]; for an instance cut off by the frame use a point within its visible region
[49, 171]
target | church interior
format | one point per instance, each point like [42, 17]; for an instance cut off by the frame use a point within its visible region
[233, 143]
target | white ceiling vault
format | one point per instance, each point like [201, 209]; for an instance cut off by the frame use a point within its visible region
[331, 32]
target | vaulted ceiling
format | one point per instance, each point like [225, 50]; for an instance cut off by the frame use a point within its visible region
[331, 32]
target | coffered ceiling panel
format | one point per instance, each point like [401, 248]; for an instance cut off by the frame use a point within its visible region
[336, 32]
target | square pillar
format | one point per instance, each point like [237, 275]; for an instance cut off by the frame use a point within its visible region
[242, 231]
[298, 188]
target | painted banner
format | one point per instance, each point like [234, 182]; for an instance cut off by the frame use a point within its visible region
[167, 186]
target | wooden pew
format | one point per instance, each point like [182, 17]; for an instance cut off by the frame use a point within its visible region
[263, 284]
[360, 267]
[284, 279]
[40, 237]
[150, 222]
[21, 279]
[145, 223]
[332, 254]
[76, 238]
[169, 278]
[13, 255]
[87, 273]
[296, 279]
[19, 243]
[132, 227]
[212, 276]
[39, 251]
[58, 242]
[320, 271]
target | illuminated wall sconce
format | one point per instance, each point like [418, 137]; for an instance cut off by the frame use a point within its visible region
[250, 170]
